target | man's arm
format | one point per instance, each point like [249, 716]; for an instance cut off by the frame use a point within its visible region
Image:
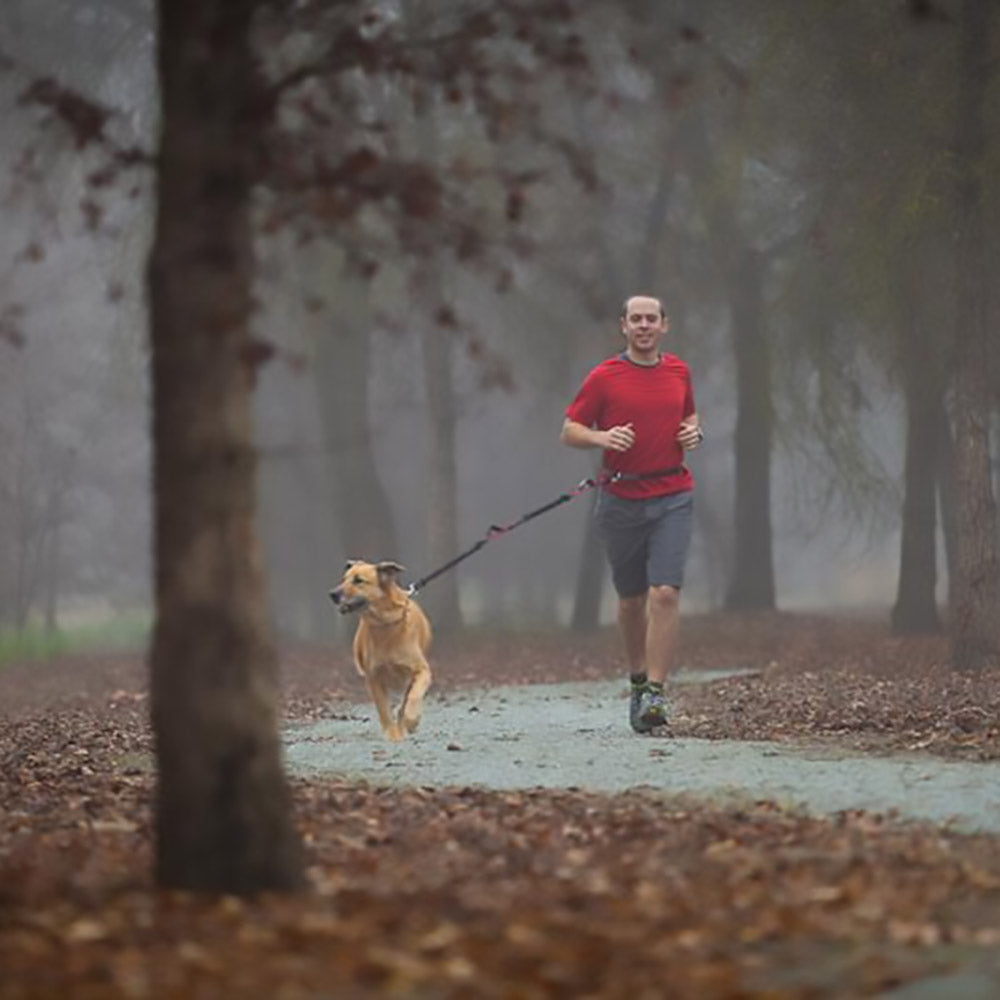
[619, 438]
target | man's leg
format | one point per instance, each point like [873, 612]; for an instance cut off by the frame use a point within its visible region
[668, 554]
[661, 632]
[661, 638]
[632, 623]
[632, 619]
[625, 532]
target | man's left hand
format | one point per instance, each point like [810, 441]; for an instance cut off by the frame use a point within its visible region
[689, 434]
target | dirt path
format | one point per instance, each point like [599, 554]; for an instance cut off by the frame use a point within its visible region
[575, 735]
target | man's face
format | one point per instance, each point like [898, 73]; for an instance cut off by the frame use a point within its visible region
[644, 325]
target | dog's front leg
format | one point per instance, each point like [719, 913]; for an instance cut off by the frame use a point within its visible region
[413, 703]
[392, 729]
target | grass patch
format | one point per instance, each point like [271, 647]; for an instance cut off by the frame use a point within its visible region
[38, 644]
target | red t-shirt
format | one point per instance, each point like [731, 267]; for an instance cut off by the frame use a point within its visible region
[654, 399]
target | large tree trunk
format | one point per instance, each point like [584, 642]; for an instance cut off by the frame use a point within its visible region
[752, 585]
[975, 635]
[223, 816]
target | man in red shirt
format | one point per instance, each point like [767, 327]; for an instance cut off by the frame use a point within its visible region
[638, 407]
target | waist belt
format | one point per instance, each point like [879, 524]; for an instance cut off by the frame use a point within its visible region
[618, 477]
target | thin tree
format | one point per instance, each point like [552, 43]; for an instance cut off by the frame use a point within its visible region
[923, 380]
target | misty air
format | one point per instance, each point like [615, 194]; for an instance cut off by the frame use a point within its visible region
[499, 499]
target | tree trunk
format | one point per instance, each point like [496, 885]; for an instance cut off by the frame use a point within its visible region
[51, 577]
[442, 475]
[614, 286]
[923, 381]
[915, 611]
[223, 817]
[442, 602]
[363, 515]
[752, 585]
[947, 500]
[586, 615]
[975, 635]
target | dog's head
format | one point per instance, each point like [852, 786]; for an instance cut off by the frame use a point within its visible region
[364, 583]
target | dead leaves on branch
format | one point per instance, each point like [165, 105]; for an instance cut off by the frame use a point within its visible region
[86, 120]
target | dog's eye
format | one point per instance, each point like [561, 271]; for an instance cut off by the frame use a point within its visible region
[358, 581]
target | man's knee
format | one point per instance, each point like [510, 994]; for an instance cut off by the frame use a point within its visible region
[630, 607]
[664, 599]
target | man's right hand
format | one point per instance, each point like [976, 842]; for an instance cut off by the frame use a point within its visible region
[619, 438]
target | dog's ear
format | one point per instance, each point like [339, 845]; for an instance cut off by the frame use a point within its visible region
[388, 570]
[350, 563]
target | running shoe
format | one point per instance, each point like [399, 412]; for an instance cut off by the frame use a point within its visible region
[637, 683]
[652, 708]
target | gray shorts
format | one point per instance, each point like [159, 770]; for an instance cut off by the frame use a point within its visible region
[647, 541]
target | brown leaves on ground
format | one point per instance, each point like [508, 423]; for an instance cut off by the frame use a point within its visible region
[849, 681]
[469, 893]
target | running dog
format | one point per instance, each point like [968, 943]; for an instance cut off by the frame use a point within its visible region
[390, 644]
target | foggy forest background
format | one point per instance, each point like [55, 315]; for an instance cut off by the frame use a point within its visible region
[782, 174]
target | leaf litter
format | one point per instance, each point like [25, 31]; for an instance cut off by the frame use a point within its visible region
[466, 892]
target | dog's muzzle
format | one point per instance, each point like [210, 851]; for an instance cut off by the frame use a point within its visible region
[346, 607]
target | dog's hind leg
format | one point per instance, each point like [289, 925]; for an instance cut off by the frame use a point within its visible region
[413, 702]
[392, 729]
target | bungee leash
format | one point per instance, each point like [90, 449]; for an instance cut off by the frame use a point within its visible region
[603, 478]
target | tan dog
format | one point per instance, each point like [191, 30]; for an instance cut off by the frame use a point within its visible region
[391, 641]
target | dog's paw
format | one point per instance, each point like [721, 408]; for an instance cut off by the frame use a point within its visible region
[395, 733]
[411, 722]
